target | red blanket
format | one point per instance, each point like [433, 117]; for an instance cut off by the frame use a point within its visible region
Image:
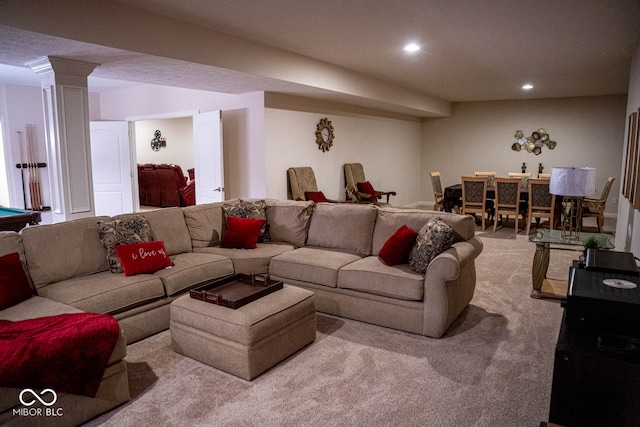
[67, 353]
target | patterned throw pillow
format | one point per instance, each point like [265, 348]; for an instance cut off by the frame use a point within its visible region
[253, 210]
[120, 232]
[434, 237]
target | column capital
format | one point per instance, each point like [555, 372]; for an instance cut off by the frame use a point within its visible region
[67, 71]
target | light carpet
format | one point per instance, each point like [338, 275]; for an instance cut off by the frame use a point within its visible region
[492, 368]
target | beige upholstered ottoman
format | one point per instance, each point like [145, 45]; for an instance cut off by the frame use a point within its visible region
[247, 341]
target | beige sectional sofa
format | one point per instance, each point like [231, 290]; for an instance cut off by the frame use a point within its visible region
[330, 249]
[113, 390]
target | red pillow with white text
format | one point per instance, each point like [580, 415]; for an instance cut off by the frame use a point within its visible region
[366, 187]
[397, 248]
[315, 196]
[14, 285]
[242, 233]
[147, 257]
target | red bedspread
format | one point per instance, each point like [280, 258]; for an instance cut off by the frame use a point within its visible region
[67, 353]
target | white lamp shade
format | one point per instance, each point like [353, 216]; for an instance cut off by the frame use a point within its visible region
[573, 182]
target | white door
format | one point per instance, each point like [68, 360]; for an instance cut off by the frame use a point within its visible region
[209, 165]
[111, 165]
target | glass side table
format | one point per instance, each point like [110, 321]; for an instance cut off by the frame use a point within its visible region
[546, 240]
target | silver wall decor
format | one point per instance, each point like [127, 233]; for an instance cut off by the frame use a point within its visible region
[534, 143]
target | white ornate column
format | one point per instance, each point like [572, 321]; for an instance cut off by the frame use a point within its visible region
[66, 113]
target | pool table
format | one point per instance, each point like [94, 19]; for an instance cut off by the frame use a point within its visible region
[14, 219]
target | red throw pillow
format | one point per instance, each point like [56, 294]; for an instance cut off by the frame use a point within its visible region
[366, 187]
[315, 196]
[242, 233]
[397, 248]
[14, 285]
[147, 257]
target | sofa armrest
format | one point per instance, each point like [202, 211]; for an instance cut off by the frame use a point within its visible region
[449, 284]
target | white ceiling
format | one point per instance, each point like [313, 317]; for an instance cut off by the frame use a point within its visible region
[471, 50]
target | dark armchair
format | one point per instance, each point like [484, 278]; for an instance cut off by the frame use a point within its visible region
[164, 185]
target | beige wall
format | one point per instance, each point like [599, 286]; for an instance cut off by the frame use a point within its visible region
[628, 230]
[478, 136]
[179, 135]
[242, 127]
[389, 149]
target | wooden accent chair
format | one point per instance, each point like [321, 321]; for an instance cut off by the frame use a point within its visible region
[354, 175]
[594, 208]
[474, 197]
[544, 176]
[299, 181]
[507, 201]
[524, 176]
[542, 204]
[438, 205]
[490, 176]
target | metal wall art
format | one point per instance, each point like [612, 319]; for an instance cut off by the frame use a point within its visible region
[534, 143]
[158, 141]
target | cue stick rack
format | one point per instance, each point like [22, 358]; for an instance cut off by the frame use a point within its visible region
[28, 150]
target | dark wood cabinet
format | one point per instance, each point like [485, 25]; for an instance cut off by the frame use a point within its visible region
[592, 387]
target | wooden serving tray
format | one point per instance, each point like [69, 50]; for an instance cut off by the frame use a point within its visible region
[236, 290]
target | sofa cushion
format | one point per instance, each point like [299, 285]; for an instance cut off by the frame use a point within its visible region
[40, 307]
[147, 257]
[57, 252]
[255, 261]
[123, 231]
[314, 265]
[436, 236]
[343, 226]
[289, 221]
[10, 242]
[371, 275]
[389, 219]
[105, 292]
[190, 269]
[169, 226]
[397, 248]
[242, 233]
[14, 285]
[205, 224]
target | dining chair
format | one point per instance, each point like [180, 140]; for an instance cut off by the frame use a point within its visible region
[490, 177]
[507, 201]
[474, 197]
[544, 176]
[524, 176]
[542, 204]
[438, 194]
[594, 208]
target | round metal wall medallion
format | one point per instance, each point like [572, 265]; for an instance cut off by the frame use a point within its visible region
[324, 134]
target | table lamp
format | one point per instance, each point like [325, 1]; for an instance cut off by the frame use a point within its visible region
[573, 184]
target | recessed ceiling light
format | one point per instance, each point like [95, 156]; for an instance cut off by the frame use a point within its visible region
[528, 86]
[411, 48]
